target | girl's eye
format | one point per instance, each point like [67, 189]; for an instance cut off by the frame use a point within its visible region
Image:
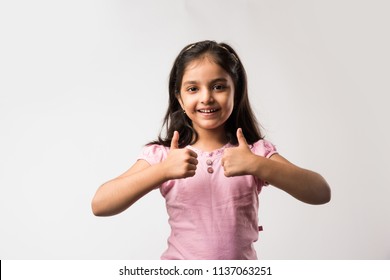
[192, 89]
[219, 87]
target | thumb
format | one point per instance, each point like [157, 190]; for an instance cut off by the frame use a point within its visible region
[241, 139]
[175, 140]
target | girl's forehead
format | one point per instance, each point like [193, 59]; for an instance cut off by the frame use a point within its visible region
[205, 58]
[203, 67]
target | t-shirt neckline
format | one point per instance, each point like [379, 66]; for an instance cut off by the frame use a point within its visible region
[212, 153]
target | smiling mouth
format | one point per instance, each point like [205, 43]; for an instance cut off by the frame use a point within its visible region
[207, 111]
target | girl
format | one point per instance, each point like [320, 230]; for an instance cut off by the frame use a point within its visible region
[211, 163]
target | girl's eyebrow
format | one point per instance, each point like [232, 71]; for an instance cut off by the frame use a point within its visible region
[211, 82]
[218, 80]
[189, 83]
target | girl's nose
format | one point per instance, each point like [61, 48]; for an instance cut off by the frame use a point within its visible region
[207, 96]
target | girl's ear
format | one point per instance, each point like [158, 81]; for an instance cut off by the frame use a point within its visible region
[178, 97]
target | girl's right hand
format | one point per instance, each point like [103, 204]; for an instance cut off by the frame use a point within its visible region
[180, 163]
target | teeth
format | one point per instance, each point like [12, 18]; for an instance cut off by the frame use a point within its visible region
[208, 111]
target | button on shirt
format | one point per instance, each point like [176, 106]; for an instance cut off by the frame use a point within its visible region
[211, 216]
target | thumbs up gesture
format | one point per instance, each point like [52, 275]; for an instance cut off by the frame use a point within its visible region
[180, 163]
[236, 161]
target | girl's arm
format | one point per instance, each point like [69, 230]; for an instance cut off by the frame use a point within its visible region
[120, 193]
[303, 184]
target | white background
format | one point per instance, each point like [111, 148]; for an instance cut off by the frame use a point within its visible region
[83, 86]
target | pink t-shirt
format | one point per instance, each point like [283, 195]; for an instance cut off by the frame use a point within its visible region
[211, 216]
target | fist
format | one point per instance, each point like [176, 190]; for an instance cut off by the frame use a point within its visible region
[235, 161]
[180, 163]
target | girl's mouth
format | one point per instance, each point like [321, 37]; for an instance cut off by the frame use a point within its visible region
[207, 111]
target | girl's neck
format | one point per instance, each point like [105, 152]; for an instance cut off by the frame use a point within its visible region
[209, 141]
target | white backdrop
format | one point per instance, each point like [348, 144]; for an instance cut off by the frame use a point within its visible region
[83, 86]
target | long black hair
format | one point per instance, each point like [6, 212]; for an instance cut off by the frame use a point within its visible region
[242, 115]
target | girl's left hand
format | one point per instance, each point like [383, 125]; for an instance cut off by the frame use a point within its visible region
[237, 161]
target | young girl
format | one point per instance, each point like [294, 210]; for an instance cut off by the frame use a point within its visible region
[211, 163]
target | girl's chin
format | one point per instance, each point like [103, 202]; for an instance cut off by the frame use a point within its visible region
[208, 127]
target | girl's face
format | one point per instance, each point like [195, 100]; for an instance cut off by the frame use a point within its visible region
[207, 95]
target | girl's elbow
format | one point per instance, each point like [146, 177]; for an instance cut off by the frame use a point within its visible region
[97, 208]
[328, 195]
[323, 194]
[324, 198]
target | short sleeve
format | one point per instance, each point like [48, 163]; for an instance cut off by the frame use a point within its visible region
[153, 154]
[266, 149]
